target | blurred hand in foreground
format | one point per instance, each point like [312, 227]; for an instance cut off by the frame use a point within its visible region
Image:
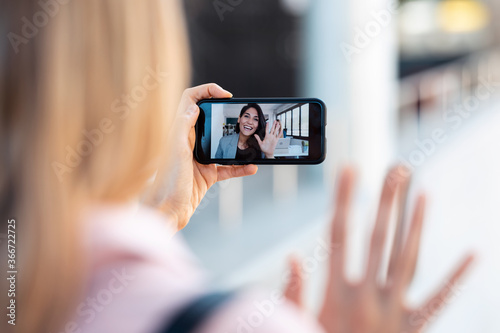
[372, 306]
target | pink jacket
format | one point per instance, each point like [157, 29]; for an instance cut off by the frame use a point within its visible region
[142, 273]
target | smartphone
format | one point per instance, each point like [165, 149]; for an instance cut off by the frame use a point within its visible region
[261, 131]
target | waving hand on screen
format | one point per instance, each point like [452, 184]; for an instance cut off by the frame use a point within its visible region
[268, 145]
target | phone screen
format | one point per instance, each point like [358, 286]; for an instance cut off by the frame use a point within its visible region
[261, 131]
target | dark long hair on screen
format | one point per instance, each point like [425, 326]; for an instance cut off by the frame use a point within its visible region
[261, 128]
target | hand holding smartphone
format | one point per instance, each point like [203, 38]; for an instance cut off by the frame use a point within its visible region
[261, 131]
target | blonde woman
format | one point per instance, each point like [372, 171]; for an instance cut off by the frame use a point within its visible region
[89, 114]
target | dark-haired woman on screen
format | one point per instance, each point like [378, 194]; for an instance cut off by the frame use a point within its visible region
[252, 140]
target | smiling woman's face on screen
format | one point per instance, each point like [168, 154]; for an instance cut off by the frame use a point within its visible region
[248, 122]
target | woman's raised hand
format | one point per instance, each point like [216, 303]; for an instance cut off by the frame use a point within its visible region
[372, 305]
[179, 188]
[268, 145]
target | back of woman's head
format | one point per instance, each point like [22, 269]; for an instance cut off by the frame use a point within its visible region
[88, 89]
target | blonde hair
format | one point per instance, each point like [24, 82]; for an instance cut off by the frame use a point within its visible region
[86, 104]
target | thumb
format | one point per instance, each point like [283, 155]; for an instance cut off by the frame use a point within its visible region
[259, 141]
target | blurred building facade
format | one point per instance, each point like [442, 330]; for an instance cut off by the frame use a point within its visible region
[402, 81]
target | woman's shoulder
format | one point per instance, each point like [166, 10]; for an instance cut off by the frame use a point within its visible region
[131, 250]
[229, 138]
[128, 230]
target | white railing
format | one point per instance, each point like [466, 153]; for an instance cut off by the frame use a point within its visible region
[426, 97]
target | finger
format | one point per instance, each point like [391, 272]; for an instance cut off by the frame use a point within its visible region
[407, 261]
[339, 225]
[188, 111]
[398, 239]
[233, 171]
[442, 297]
[188, 108]
[259, 141]
[267, 128]
[294, 288]
[275, 128]
[209, 90]
[391, 184]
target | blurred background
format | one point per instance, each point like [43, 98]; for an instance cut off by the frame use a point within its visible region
[415, 82]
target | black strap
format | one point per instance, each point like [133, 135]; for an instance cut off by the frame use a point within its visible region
[195, 313]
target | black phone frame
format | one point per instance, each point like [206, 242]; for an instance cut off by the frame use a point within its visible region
[199, 154]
